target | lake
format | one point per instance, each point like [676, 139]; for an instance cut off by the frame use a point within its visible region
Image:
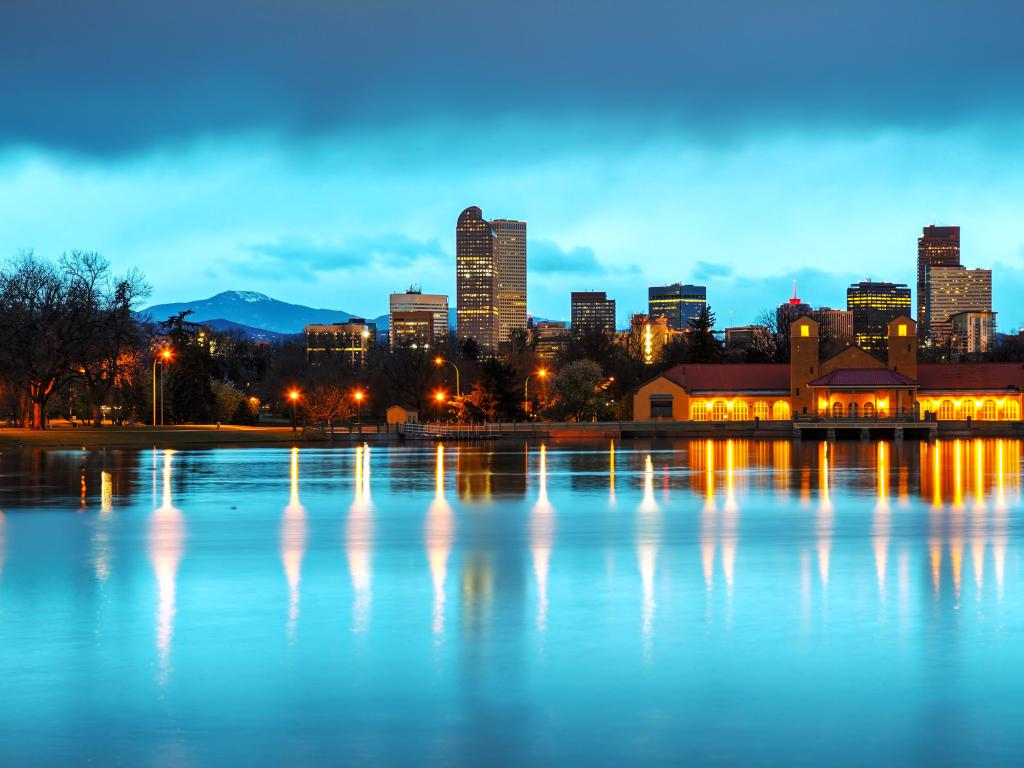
[649, 603]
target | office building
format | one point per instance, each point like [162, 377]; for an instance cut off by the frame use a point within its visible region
[510, 261]
[412, 329]
[551, 337]
[833, 324]
[937, 247]
[490, 276]
[746, 336]
[972, 332]
[344, 343]
[677, 303]
[874, 306]
[414, 300]
[592, 310]
[952, 290]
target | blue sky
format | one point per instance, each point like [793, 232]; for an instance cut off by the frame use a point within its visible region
[321, 151]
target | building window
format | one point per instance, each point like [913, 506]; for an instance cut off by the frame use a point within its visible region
[699, 410]
[837, 410]
[946, 410]
[780, 410]
[902, 329]
[720, 411]
[740, 411]
[761, 410]
[661, 406]
[988, 410]
[967, 411]
[1012, 412]
[805, 330]
[869, 410]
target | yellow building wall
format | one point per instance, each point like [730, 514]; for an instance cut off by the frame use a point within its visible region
[961, 405]
[661, 386]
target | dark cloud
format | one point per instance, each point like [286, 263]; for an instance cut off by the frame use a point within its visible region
[304, 259]
[114, 76]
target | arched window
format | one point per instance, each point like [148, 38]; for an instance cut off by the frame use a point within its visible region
[869, 410]
[780, 410]
[837, 410]
[740, 411]
[720, 411]
[761, 410]
[967, 410]
[852, 411]
[698, 410]
[988, 410]
[946, 410]
[1012, 411]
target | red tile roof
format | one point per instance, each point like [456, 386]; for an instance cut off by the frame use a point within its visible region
[740, 377]
[970, 376]
[866, 378]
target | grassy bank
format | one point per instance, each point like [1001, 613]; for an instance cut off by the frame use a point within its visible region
[145, 437]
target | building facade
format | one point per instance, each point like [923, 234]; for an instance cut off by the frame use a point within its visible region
[416, 301]
[551, 337]
[952, 290]
[972, 332]
[510, 265]
[834, 324]
[345, 343]
[873, 307]
[677, 303]
[592, 311]
[937, 247]
[851, 385]
[412, 329]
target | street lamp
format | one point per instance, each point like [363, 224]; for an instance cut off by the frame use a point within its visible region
[439, 398]
[294, 395]
[162, 359]
[439, 361]
[359, 395]
[542, 374]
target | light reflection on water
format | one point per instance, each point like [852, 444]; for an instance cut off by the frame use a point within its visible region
[636, 603]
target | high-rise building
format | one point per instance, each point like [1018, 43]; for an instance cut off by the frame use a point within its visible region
[833, 324]
[510, 258]
[874, 306]
[346, 342]
[973, 332]
[677, 303]
[937, 247]
[411, 329]
[414, 300]
[490, 276]
[592, 310]
[552, 336]
[952, 290]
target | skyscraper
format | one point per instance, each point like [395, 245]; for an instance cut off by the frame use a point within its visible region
[414, 300]
[952, 290]
[510, 258]
[592, 310]
[490, 276]
[677, 303]
[937, 247]
[874, 306]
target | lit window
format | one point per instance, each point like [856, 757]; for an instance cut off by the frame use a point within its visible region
[805, 330]
[902, 329]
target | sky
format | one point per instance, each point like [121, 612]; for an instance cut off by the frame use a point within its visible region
[320, 151]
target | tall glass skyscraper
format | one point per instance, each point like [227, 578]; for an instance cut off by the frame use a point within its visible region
[677, 303]
[873, 306]
[937, 247]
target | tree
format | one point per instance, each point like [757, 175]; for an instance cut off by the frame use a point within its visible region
[495, 396]
[576, 391]
[703, 345]
[63, 323]
[227, 400]
[328, 402]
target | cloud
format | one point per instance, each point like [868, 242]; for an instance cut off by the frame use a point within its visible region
[305, 259]
[547, 257]
[158, 73]
[705, 270]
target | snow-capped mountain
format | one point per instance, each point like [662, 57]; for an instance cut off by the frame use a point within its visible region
[256, 310]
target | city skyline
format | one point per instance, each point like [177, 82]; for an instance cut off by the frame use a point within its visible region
[336, 164]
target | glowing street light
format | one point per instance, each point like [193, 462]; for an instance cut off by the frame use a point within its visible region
[358, 396]
[541, 373]
[293, 396]
[439, 361]
[162, 360]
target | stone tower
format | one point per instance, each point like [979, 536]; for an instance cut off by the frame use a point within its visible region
[803, 364]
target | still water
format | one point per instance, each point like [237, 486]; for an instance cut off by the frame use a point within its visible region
[648, 603]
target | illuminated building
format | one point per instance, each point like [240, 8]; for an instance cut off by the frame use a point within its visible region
[592, 310]
[490, 273]
[874, 306]
[677, 303]
[937, 247]
[551, 337]
[414, 300]
[412, 328]
[345, 342]
[851, 385]
[952, 290]
[834, 324]
[972, 332]
[745, 336]
[645, 338]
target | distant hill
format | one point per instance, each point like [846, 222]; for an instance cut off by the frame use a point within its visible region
[256, 334]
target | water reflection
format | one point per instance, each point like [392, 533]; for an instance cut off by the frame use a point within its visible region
[101, 536]
[166, 548]
[440, 532]
[881, 526]
[824, 521]
[542, 527]
[648, 536]
[359, 540]
[293, 543]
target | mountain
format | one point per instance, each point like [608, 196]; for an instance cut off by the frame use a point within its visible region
[257, 311]
[256, 334]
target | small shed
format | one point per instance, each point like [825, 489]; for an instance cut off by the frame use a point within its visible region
[401, 414]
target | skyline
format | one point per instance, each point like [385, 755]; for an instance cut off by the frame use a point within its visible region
[637, 154]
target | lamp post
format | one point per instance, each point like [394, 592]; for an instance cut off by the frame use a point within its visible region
[439, 398]
[542, 374]
[293, 395]
[439, 361]
[359, 395]
[162, 359]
